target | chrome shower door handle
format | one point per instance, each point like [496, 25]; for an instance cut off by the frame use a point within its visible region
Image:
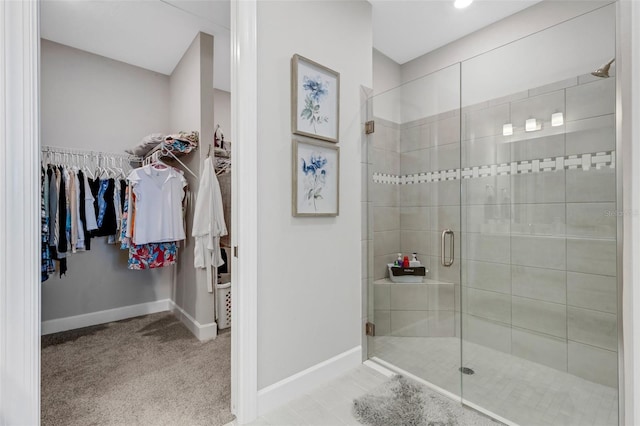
[445, 262]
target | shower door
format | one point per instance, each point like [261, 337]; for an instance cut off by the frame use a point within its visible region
[414, 181]
[539, 289]
[500, 173]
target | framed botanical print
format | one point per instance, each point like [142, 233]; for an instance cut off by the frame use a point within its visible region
[316, 178]
[315, 100]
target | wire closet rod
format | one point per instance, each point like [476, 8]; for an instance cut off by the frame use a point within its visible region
[97, 154]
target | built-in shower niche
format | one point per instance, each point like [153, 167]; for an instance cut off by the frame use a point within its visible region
[534, 218]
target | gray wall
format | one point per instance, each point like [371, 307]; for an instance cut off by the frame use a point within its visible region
[222, 112]
[222, 116]
[93, 103]
[309, 289]
[192, 109]
[387, 74]
[515, 27]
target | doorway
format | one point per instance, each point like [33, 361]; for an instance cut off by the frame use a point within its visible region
[102, 88]
[21, 306]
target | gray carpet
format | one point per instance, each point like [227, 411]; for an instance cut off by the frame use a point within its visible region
[143, 371]
[403, 402]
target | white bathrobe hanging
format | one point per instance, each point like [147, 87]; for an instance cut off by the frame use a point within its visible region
[208, 223]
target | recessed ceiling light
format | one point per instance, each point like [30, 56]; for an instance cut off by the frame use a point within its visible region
[461, 4]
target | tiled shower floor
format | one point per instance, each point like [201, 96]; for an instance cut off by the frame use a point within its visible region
[519, 390]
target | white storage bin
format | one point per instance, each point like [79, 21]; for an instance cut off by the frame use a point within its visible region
[223, 300]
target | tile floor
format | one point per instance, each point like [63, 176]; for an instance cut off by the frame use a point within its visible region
[523, 392]
[328, 405]
[519, 390]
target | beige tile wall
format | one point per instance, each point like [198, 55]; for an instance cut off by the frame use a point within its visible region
[539, 249]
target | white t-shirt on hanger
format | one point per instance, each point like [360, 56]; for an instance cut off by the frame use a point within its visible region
[159, 193]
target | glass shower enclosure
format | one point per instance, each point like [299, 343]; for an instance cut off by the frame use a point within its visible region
[499, 174]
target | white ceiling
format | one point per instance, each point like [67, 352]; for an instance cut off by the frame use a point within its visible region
[406, 29]
[151, 34]
[154, 34]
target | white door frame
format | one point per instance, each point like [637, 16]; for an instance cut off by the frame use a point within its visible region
[244, 222]
[20, 214]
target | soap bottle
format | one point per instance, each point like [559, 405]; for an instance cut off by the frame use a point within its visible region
[414, 260]
[405, 262]
[399, 260]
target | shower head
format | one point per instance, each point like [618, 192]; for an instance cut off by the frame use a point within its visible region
[604, 70]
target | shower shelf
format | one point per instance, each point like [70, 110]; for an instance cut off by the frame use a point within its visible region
[426, 281]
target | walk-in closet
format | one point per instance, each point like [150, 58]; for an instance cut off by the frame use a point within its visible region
[136, 279]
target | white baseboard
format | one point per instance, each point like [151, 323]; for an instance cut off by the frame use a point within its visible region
[202, 331]
[103, 317]
[285, 390]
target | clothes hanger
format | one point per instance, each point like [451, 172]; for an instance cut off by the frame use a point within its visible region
[120, 169]
[75, 161]
[46, 160]
[86, 166]
[112, 169]
[165, 150]
[99, 169]
[157, 161]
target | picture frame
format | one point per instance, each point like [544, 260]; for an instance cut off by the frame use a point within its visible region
[315, 100]
[315, 178]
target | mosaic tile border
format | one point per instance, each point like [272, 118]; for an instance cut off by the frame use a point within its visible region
[598, 160]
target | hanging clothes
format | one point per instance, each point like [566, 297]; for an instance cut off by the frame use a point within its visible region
[113, 239]
[70, 205]
[82, 211]
[106, 214]
[89, 206]
[62, 221]
[159, 193]
[94, 189]
[47, 267]
[152, 218]
[53, 210]
[123, 193]
[208, 222]
[73, 212]
[152, 255]
[80, 243]
[145, 256]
